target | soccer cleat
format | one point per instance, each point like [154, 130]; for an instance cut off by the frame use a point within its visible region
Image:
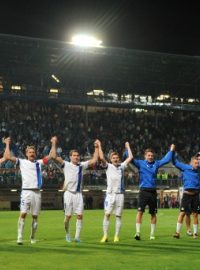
[176, 235]
[137, 236]
[68, 238]
[33, 241]
[189, 233]
[19, 241]
[104, 239]
[77, 240]
[195, 235]
[152, 237]
[116, 239]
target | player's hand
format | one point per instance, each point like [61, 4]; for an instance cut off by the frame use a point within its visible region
[97, 144]
[7, 140]
[54, 139]
[127, 145]
[172, 147]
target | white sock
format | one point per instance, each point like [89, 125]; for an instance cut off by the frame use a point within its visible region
[66, 223]
[20, 227]
[138, 227]
[195, 228]
[34, 228]
[153, 226]
[105, 226]
[178, 227]
[78, 228]
[118, 224]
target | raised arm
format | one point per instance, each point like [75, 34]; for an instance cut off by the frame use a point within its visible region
[52, 153]
[168, 157]
[95, 155]
[101, 154]
[180, 165]
[135, 162]
[130, 155]
[7, 153]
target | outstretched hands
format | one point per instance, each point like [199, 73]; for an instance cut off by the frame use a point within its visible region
[172, 147]
[127, 145]
[54, 140]
[7, 140]
[97, 144]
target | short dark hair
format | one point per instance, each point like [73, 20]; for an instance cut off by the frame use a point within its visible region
[30, 147]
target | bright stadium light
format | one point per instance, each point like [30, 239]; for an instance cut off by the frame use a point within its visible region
[86, 41]
[55, 78]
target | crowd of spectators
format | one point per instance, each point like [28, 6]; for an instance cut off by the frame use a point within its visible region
[30, 123]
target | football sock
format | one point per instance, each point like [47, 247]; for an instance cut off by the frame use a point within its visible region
[117, 226]
[178, 227]
[105, 225]
[153, 226]
[138, 227]
[20, 227]
[78, 228]
[34, 228]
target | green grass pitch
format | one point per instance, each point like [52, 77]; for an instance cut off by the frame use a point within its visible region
[52, 252]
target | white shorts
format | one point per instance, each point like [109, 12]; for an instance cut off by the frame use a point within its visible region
[30, 202]
[73, 203]
[114, 204]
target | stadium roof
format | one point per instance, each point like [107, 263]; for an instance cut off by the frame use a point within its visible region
[31, 62]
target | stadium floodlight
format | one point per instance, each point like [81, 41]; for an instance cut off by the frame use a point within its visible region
[16, 87]
[13, 190]
[86, 41]
[54, 90]
[55, 78]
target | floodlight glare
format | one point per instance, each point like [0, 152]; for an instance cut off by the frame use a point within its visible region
[86, 41]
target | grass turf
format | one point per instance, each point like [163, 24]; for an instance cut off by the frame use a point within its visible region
[52, 252]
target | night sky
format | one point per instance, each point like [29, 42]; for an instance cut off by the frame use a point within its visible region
[163, 26]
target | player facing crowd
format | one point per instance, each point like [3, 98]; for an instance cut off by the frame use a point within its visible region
[73, 199]
[31, 183]
[114, 201]
[190, 199]
[148, 169]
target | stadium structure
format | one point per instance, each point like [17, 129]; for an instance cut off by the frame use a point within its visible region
[53, 72]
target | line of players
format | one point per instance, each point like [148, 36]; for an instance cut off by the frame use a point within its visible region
[114, 202]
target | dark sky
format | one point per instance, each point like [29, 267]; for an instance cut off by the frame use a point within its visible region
[165, 26]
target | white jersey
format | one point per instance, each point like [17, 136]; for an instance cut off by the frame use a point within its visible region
[115, 178]
[31, 173]
[73, 175]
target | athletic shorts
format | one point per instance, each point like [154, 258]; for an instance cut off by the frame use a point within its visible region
[73, 203]
[190, 203]
[114, 204]
[30, 202]
[147, 197]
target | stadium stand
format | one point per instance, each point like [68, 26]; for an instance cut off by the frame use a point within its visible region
[48, 87]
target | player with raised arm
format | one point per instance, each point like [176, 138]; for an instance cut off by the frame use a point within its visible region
[148, 169]
[31, 183]
[73, 199]
[114, 201]
[190, 199]
[7, 143]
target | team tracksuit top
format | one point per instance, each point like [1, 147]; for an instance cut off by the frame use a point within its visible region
[191, 177]
[148, 171]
